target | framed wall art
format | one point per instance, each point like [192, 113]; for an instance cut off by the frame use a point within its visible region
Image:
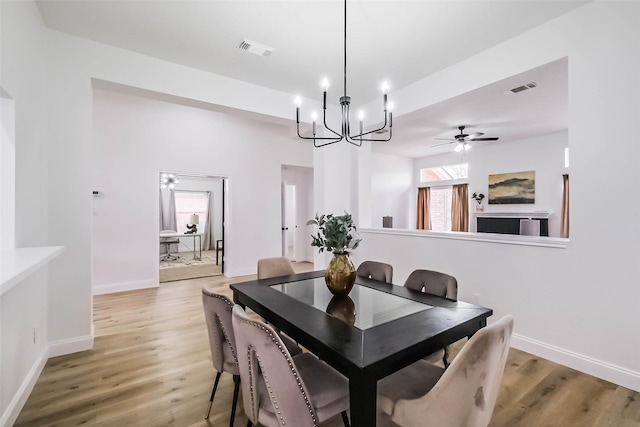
[512, 188]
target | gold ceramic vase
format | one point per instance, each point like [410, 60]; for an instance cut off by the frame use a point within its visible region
[340, 275]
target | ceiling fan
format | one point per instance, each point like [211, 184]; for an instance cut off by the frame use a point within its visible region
[463, 139]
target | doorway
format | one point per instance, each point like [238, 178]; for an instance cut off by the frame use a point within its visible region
[192, 227]
[296, 210]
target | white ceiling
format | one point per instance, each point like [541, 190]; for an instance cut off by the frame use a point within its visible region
[400, 41]
[493, 110]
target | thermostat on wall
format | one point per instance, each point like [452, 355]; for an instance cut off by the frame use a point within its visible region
[97, 193]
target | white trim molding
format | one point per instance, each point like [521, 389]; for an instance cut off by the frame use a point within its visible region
[73, 345]
[133, 285]
[615, 374]
[12, 411]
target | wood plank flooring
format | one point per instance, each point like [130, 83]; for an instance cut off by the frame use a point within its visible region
[151, 366]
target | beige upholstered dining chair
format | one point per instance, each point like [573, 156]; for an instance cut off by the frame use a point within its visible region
[434, 283]
[280, 389]
[425, 395]
[217, 310]
[274, 267]
[438, 284]
[376, 271]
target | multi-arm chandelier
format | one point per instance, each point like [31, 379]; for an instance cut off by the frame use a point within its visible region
[344, 102]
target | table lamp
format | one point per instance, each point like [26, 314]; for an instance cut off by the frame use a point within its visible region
[194, 220]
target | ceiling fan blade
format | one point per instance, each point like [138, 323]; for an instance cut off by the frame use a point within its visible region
[445, 139]
[473, 136]
[444, 143]
[485, 139]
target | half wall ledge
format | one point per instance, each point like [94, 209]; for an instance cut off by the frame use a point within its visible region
[17, 264]
[504, 239]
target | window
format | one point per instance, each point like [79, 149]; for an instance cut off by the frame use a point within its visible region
[189, 203]
[440, 208]
[445, 173]
[441, 180]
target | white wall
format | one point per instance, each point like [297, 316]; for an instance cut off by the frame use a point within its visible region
[577, 306]
[139, 137]
[7, 172]
[544, 155]
[24, 201]
[392, 189]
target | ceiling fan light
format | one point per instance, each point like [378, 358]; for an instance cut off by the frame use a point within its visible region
[467, 146]
[459, 147]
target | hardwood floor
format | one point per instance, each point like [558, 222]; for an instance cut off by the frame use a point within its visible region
[150, 366]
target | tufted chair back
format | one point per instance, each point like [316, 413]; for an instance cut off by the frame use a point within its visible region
[271, 385]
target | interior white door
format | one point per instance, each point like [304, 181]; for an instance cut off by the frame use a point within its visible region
[288, 220]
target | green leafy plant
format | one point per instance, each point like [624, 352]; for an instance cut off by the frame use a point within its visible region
[336, 233]
[478, 197]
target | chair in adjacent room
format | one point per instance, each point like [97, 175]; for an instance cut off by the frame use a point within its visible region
[274, 267]
[438, 284]
[280, 389]
[425, 395]
[168, 241]
[217, 310]
[376, 271]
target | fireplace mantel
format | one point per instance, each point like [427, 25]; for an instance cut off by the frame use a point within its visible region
[522, 215]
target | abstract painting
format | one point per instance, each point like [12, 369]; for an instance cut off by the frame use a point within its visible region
[512, 188]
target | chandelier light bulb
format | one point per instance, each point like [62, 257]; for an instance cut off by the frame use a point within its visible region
[298, 101]
[314, 116]
[390, 106]
[385, 87]
[361, 115]
[325, 84]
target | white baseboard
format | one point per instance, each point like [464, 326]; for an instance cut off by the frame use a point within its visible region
[241, 272]
[10, 414]
[606, 371]
[73, 345]
[111, 288]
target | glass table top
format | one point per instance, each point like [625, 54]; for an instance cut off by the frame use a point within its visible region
[363, 308]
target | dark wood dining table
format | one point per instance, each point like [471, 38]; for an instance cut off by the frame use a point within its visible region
[379, 329]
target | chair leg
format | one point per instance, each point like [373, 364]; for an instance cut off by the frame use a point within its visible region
[236, 389]
[345, 419]
[213, 393]
[445, 358]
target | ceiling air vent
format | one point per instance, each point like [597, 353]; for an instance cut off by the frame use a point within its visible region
[524, 87]
[255, 48]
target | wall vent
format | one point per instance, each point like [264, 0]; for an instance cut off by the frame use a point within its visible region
[524, 87]
[255, 48]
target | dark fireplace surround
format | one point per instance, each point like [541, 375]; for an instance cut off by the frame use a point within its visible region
[519, 223]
